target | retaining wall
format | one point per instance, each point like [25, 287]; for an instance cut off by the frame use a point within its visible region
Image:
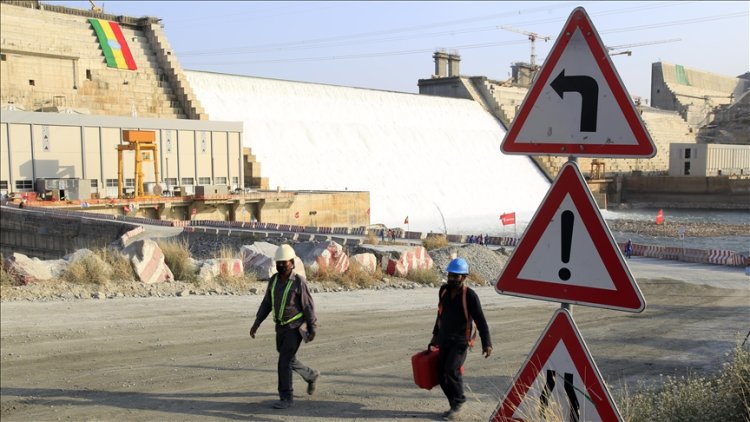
[53, 234]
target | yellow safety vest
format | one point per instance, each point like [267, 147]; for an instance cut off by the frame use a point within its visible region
[277, 315]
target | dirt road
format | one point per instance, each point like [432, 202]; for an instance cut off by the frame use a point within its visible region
[190, 358]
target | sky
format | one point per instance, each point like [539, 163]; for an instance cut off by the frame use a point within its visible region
[389, 45]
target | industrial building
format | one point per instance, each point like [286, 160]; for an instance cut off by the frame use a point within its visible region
[709, 160]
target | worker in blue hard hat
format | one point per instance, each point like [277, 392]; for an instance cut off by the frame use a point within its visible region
[458, 310]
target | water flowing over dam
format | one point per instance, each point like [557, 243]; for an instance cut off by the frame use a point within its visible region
[418, 156]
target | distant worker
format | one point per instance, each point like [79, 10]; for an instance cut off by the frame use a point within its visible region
[629, 249]
[458, 310]
[382, 235]
[289, 302]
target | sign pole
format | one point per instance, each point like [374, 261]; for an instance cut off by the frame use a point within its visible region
[566, 305]
[577, 106]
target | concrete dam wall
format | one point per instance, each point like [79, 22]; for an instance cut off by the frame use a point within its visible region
[424, 157]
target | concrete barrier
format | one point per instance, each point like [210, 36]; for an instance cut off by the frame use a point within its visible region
[147, 260]
[720, 257]
[367, 261]
[324, 256]
[359, 231]
[414, 235]
[126, 238]
[411, 259]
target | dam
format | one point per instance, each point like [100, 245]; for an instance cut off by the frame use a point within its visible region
[434, 160]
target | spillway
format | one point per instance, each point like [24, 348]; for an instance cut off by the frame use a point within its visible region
[425, 157]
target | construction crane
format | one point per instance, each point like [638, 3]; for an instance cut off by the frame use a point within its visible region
[533, 36]
[94, 7]
[629, 53]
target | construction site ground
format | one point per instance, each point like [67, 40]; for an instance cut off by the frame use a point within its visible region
[191, 358]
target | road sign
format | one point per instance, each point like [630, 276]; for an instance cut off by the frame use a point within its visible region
[558, 377]
[578, 105]
[567, 253]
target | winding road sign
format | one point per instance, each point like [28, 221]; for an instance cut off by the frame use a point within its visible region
[559, 377]
[578, 106]
[567, 253]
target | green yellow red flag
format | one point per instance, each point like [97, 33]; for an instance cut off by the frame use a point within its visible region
[113, 43]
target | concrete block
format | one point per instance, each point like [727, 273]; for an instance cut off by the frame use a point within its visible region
[147, 260]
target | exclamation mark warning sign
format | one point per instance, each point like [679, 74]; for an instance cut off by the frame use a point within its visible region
[567, 221]
[567, 253]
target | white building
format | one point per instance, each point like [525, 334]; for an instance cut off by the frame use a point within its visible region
[709, 160]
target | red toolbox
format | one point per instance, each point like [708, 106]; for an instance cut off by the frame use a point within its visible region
[424, 364]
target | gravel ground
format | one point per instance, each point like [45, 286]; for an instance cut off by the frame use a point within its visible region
[191, 358]
[692, 229]
[486, 262]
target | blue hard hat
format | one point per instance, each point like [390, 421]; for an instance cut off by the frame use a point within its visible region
[458, 266]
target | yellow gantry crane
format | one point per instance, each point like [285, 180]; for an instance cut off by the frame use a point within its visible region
[143, 142]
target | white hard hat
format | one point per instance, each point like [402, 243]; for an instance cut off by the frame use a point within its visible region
[284, 253]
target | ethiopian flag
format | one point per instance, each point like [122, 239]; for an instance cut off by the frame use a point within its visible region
[114, 46]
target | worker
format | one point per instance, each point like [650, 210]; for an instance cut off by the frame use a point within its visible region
[458, 309]
[289, 302]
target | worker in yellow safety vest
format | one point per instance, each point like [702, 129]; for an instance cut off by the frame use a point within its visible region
[289, 302]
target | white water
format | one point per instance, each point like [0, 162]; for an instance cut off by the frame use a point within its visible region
[417, 155]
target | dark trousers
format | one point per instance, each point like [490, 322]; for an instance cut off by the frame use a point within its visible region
[287, 344]
[450, 360]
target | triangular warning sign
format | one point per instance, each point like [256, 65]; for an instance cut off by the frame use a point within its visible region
[578, 105]
[558, 381]
[567, 253]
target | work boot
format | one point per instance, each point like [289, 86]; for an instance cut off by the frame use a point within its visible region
[447, 412]
[311, 384]
[283, 404]
[454, 414]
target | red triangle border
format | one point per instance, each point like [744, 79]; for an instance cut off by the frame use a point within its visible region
[626, 295]
[645, 147]
[561, 327]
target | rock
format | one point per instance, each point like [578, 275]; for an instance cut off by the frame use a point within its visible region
[29, 270]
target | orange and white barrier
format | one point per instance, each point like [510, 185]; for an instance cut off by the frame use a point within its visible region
[126, 238]
[147, 260]
[415, 258]
[732, 258]
[368, 261]
[324, 256]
